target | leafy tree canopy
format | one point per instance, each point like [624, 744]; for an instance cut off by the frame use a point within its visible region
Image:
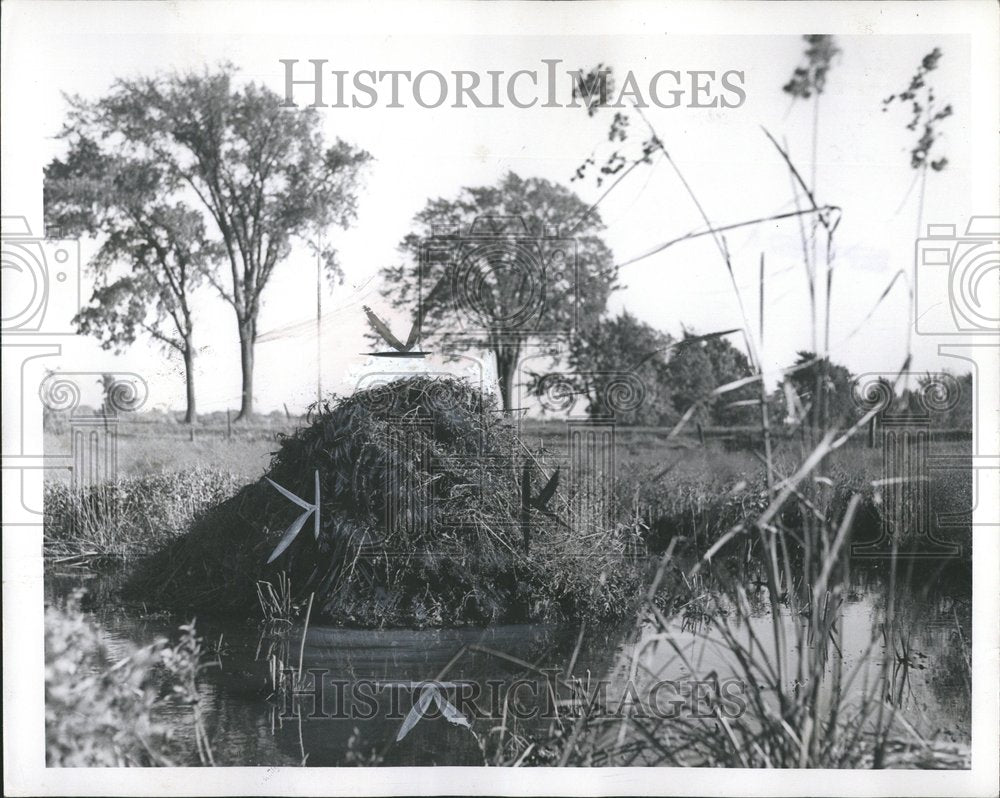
[259, 176]
[500, 266]
[700, 365]
[617, 367]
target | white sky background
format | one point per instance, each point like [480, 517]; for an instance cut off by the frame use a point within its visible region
[422, 153]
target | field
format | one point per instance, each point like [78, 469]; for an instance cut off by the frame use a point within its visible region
[149, 446]
[159, 443]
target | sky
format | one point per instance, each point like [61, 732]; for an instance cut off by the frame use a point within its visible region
[862, 167]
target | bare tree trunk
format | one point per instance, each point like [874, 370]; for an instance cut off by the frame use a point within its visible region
[191, 415]
[248, 336]
[506, 368]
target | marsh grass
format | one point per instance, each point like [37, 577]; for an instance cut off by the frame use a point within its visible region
[276, 608]
[106, 711]
[128, 518]
[153, 443]
[791, 519]
[710, 492]
[732, 552]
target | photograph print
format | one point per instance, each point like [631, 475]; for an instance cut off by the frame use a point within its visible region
[506, 387]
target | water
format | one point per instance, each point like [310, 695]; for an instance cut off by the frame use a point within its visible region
[366, 676]
[928, 675]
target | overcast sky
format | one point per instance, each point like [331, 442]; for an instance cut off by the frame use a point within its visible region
[863, 167]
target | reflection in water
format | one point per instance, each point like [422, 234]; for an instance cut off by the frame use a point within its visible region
[927, 655]
[358, 685]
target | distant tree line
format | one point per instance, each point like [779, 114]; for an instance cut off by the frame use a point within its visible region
[678, 374]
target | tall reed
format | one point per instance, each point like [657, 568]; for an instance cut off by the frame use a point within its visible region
[804, 706]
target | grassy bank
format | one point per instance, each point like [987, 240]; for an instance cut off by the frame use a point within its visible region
[130, 518]
[701, 495]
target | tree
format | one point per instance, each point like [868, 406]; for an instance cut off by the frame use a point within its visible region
[498, 279]
[944, 398]
[617, 365]
[107, 383]
[261, 175]
[697, 367]
[835, 380]
[954, 406]
[97, 193]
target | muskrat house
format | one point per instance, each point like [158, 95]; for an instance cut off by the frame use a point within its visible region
[420, 523]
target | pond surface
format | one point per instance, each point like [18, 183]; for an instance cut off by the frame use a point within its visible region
[369, 681]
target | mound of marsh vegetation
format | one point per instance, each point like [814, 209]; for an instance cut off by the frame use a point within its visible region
[420, 485]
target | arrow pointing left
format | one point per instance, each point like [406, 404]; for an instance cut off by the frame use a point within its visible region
[299, 522]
